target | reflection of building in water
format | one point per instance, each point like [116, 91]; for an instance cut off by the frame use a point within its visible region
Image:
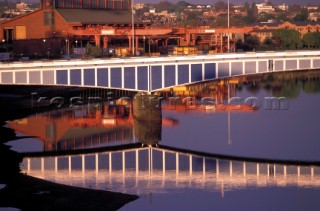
[283, 84]
[159, 170]
[83, 127]
[87, 126]
[215, 95]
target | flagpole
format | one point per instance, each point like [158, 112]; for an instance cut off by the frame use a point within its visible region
[133, 53]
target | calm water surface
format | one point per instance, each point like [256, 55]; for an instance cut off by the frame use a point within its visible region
[178, 168]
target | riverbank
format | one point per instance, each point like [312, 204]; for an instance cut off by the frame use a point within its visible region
[28, 193]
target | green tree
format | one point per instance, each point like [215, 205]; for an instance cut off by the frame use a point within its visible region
[252, 41]
[286, 39]
[264, 17]
[312, 39]
[302, 15]
[93, 51]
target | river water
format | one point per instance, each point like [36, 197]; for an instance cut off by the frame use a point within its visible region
[247, 143]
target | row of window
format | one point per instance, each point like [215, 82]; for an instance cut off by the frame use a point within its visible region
[94, 4]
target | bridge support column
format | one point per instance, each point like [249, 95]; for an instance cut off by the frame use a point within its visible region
[244, 169]
[230, 168]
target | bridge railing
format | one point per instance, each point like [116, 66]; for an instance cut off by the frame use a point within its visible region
[154, 73]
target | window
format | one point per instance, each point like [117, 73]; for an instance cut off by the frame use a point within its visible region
[48, 19]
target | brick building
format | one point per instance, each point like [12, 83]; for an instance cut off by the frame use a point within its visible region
[59, 24]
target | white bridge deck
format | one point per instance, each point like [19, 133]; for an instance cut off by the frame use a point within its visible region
[153, 73]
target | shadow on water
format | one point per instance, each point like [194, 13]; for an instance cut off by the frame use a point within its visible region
[29, 193]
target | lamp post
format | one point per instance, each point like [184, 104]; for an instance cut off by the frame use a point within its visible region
[132, 17]
[4, 44]
[44, 46]
[149, 46]
[67, 47]
[144, 44]
[228, 25]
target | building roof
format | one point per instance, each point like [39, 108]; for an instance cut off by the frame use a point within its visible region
[96, 16]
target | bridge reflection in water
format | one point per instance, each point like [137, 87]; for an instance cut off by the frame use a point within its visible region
[162, 169]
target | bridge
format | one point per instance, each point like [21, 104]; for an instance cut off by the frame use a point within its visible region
[141, 170]
[150, 74]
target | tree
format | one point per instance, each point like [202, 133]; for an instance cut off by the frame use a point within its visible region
[93, 51]
[252, 41]
[302, 15]
[264, 17]
[312, 39]
[286, 39]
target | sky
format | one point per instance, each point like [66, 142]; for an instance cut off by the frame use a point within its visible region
[276, 2]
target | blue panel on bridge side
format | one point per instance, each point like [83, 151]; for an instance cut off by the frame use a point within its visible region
[169, 75]
[223, 69]
[102, 77]
[129, 78]
[62, 77]
[142, 77]
[209, 71]
[196, 72]
[75, 77]
[236, 68]
[250, 67]
[262, 66]
[116, 77]
[305, 63]
[89, 77]
[156, 77]
[183, 73]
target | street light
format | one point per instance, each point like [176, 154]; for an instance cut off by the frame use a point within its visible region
[228, 25]
[67, 47]
[76, 43]
[132, 17]
[44, 47]
[4, 43]
[144, 44]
